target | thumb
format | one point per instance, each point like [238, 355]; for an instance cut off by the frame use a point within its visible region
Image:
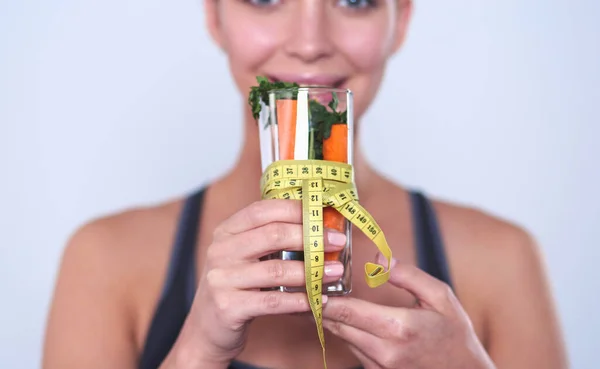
[378, 273]
[381, 260]
[432, 293]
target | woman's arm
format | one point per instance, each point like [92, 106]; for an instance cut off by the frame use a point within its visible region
[523, 329]
[499, 275]
[93, 314]
[88, 325]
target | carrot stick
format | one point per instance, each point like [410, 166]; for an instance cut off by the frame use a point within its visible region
[286, 126]
[335, 148]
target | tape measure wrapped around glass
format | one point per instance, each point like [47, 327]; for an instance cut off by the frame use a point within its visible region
[320, 183]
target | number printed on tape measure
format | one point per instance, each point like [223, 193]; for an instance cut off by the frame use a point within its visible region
[347, 174]
[316, 301]
[317, 273]
[290, 171]
[373, 230]
[350, 209]
[316, 288]
[305, 172]
[333, 201]
[316, 244]
[316, 259]
[334, 173]
[361, 218]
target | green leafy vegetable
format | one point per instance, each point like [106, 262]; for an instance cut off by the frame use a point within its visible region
[333, 104]
[261, 93]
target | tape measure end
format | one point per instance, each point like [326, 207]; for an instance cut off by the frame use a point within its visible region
[376, 271]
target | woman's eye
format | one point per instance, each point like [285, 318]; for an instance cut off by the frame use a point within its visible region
[357, 4]
[263, 2]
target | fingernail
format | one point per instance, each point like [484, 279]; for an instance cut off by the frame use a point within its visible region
[336, 238]
[382, 260]
[324, 299]
[334, 269]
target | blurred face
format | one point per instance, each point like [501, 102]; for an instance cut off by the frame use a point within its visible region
[339, 43]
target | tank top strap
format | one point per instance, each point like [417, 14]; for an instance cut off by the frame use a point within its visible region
[179, 287]
[431, 254]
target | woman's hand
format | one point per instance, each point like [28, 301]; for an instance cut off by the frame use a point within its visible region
[436, 333]
[229, 295]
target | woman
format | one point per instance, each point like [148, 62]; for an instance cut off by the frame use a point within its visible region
[177, 285]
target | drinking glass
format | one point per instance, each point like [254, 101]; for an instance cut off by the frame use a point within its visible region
[311, 123]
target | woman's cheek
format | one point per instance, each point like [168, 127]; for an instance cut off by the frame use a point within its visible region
[247, 55]
[365, 47]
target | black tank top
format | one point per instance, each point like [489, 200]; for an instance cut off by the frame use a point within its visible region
[180, 284]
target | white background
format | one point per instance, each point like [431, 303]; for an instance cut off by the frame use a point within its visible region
[110, 104]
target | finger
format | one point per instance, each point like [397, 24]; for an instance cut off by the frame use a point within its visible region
[367, 346]
[265, 240]
[251, 304]
[366, 361]
[259, 214]
[272, 273]
[432, 293]
[382, 321]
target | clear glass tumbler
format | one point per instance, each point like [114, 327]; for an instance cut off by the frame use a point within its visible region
[312, 123]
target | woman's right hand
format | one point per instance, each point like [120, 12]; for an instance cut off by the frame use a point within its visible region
[229, 296]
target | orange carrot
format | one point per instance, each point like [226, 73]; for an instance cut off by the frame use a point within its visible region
[335, 148]
[286, 125]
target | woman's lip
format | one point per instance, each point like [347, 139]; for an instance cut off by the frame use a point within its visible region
[309, 80]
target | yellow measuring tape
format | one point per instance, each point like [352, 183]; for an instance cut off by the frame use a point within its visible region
[318, 184]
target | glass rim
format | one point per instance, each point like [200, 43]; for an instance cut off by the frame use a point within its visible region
[309, 88]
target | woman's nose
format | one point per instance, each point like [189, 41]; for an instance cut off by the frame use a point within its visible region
[309, 38]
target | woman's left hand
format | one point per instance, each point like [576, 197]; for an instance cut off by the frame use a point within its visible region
[435, 333]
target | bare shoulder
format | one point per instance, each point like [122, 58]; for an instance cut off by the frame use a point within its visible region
[128, 252]
[499, 274]
[111, 271]
[123, 241]
[485, 249]
[478, 232]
